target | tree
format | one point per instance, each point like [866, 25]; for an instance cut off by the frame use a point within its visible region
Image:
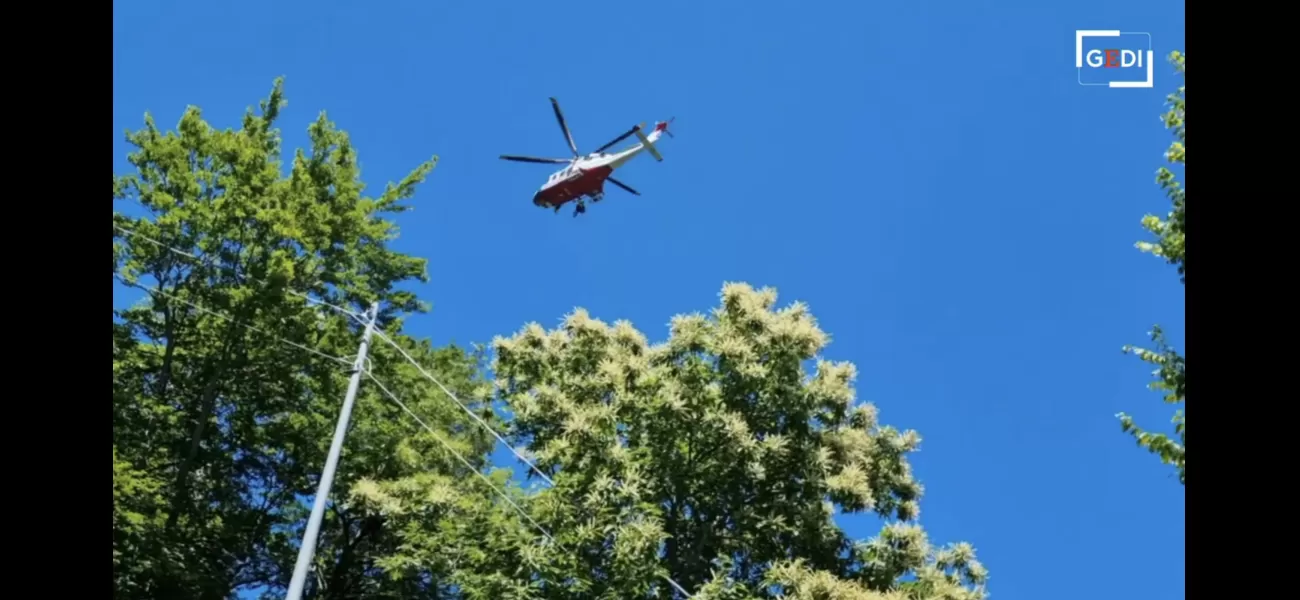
[1170, 233]
[220, 430]
[713, 459]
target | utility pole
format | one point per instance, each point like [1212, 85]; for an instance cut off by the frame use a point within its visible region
[309, 537]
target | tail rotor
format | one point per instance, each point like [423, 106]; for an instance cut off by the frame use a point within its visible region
[668, 124]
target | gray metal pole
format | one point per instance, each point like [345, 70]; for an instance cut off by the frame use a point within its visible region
[308, 549]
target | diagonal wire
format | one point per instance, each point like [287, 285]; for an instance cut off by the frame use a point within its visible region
[464, 407]
[545, 533]
[485, 425]
[404, 354]
[202, 260]
[154, 290]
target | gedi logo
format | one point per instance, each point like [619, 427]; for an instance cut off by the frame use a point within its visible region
[1113, 58]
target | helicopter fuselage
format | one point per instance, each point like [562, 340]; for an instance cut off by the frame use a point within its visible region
[585, 176]
[582, 178]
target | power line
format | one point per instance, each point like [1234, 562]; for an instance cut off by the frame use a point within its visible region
[202, 260]
[545, 533]
[485, 425]
[464, 407]
[463, 460]
[405, 355]
[154, 290]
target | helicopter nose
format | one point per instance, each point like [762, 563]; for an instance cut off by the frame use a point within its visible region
[537, 199]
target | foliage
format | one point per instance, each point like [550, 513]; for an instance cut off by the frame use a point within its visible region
[713, 459]
[1171, 368]
[219, 430]
[1171, 231]
[1171, 375]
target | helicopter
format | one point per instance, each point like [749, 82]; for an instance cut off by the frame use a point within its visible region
[584, 176]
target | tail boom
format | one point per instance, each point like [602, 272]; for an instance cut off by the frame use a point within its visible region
[648, 142]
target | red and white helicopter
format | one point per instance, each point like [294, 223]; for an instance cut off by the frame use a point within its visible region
[584, 176]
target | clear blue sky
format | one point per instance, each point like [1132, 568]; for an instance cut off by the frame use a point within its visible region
[929, 176]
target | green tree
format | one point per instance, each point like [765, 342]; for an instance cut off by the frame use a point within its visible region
[1170, 244]
[220, 430]
[713, 459]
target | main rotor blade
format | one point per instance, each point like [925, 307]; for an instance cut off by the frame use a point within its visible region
[559, 116]
[618, 139]
[531, 159]
[622, 185]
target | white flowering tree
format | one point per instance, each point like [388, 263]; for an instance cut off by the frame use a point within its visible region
[713, 460]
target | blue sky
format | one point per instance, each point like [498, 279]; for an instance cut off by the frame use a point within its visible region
[929, 177]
